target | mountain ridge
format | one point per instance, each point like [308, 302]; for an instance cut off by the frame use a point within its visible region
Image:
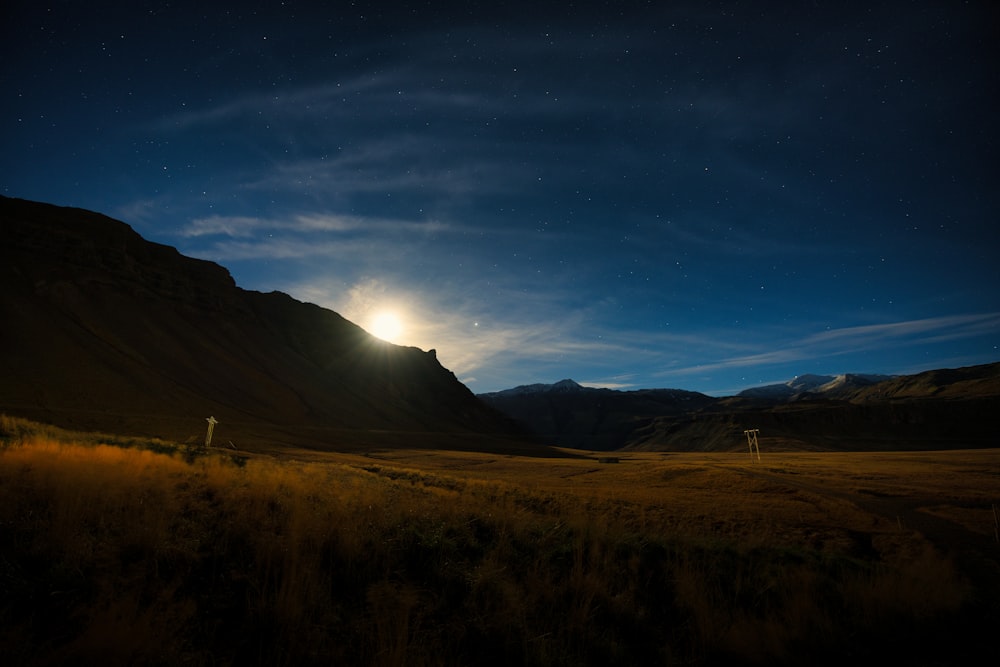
[800, 385]
[935, 409]
[810, 384]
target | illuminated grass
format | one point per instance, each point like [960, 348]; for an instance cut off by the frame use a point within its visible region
[131, 556]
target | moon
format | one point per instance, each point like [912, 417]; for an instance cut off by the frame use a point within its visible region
[387, 326]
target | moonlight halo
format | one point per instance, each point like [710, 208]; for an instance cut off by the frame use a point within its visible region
[386, 325]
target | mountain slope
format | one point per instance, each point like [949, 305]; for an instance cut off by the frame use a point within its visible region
[944, 383]
[827, 425]
[105, 330]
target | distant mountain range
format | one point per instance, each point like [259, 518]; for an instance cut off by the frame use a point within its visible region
[103, 330]
[568, 414]
[936, 409]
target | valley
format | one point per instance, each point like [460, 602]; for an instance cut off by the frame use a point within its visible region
[360, 505]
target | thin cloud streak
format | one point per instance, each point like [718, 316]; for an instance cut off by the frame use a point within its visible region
[847, 340]
[291, 103]
[245, 226]
[962, 325]
[285, 249]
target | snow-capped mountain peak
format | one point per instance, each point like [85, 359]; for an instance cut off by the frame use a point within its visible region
[813, 384]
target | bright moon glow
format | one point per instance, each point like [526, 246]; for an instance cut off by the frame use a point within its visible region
[386, 326]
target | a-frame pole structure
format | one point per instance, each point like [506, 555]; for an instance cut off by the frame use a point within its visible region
[752, 442]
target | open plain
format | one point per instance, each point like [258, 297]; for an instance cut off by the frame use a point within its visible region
[132, 551]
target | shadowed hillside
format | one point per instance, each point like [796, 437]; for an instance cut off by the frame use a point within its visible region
[105, 330]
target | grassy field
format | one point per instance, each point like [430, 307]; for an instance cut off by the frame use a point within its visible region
[130, 551]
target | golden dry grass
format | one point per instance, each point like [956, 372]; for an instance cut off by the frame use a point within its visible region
[122, 555]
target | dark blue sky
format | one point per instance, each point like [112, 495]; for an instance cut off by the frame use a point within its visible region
[699, 195]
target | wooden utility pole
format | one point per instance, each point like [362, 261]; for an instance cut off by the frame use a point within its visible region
[212, 421]
[752, 441]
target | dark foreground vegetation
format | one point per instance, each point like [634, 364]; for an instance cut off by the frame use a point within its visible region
[117, 551]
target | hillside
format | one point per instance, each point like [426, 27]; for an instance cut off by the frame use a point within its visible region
[105, 330]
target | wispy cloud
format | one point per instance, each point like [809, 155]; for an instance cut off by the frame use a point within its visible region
[290, 103]
[305, 224]
[287, 248]
[926, 329]
[138, 211]
[404, 164]
[221, 225]
[850, 340]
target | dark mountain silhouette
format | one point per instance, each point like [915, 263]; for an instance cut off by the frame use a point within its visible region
[940, 409]
[571, 415]
[103, 330]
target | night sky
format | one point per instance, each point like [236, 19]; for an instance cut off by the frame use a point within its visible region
[699, 195]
